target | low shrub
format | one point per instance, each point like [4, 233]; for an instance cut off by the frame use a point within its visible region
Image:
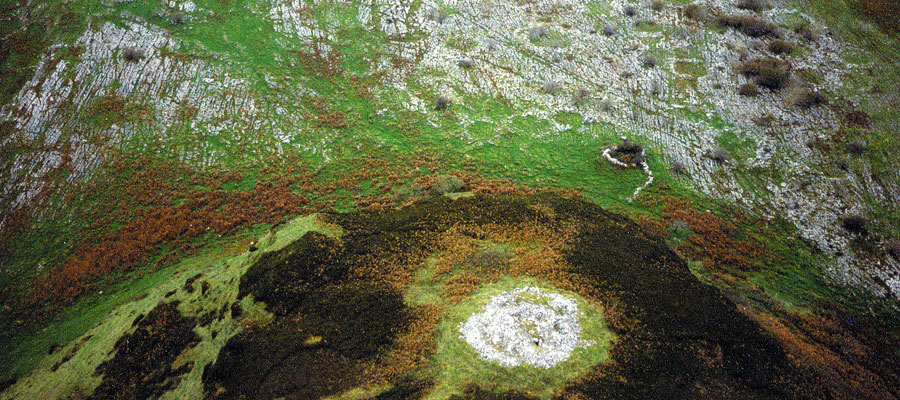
[679, 167]
[807, 98]
[442, 103]
[857, 147]
[749, 89]
[855, 224]
[629, 148]
[893, 248]
[609, 30]
[858, 118]
[132, 54]
[447, 184]
[681, 32]
[436, 15]
[779, 46]
[657, 5]
[465, 63]
[537, 33]
[807, 32]
[764, 120]
[752, 5]
[657, 88]
[551, 86]
[649, 61]
[581, 96]
[697, 12]
[629, 11]
[490, 258]
[177, 18]
[719, 155]
[768, 72]
[750, 26]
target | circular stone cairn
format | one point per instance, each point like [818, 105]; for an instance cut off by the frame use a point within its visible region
[525, 325]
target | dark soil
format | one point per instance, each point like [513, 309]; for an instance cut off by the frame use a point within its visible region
[142, 366]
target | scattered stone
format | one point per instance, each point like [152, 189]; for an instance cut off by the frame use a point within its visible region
[525, 326]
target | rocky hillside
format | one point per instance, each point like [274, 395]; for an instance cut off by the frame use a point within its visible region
[758, 139]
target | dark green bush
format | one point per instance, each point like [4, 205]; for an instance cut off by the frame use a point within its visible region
[855, 224]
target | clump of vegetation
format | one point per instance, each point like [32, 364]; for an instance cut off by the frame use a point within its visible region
[768, 72]
[629, 11]
[855, 224]
[436, 15]
[442, 103]
[447, 184]
[681, 32]
[606, 105]
[679, 226]
[719, 155]
[609, 30]
[537, 33]
[581, 96]
[649, 61]
[750, 26]
[177, 18]
[490, 258]
[657, 5]
[132, 54]
[628, 152]
[644, 23]
[806, 98]
[749, 89]
[550, 87]
[857, 147]
[695, 11]
[752, 5]
[893, 248]
[627, 147]
[858, 118]
[679, 167]
[779, 46]
[764, 120]
[807, 32]
[657, 88]
[465, 63]
[842, 165]
[818, 143]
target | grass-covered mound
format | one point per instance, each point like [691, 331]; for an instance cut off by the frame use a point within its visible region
[376, 307]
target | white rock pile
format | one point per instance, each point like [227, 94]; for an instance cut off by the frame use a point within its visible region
[525, 325]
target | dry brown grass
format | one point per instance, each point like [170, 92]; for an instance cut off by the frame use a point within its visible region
[713, 241]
